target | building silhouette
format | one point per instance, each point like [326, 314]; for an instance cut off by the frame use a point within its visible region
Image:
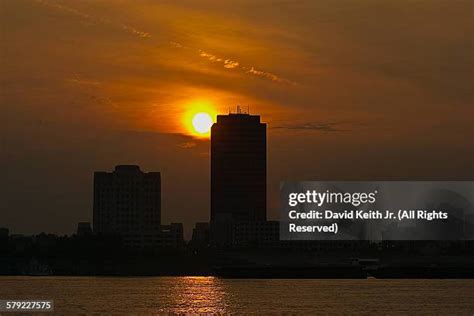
[200, 237]
[127, 202]
[238, 168]
[84, 229]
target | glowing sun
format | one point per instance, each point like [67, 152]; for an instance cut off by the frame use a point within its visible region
[202, 123]
[198, 117]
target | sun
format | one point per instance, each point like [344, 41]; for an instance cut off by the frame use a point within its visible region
[198, 117]
[202, 122]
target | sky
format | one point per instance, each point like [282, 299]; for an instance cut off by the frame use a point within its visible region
[350, 90]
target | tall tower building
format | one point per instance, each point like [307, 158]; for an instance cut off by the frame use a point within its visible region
[238, 168]
[127, 202]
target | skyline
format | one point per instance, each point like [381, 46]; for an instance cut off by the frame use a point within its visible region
[350, 91]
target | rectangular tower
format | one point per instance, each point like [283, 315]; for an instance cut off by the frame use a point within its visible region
[127, 202]
[238, 168]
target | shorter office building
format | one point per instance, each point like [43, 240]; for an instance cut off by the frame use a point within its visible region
[200, 238]
[84, 229]
[127, 204]
[266, 235]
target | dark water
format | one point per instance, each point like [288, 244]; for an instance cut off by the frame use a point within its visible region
[148, 295]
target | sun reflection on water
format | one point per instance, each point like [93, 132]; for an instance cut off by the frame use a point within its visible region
[200, 295]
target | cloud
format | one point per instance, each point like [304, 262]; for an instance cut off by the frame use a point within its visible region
[177, 45]
[323, 126]
[90, 18]
[135, 31]
[230, 64]
[81, 81]
[269, 75]
[103, 100]
[187, 145]
[208, 56]
[183, 138]
[227, 63]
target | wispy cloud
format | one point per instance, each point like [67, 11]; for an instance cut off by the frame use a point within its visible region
[226, 62]
[82, 81]
[232, 64]
[208, 56]
[135, 31]
[269, 75]
[187, 145]
[323, 126]
[94, 19]
[104, 100]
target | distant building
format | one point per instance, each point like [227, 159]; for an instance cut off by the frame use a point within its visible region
[247, 234]
[4, 232]
[256, 234]
[21, 242]
[170, 236]
[127, 202]
[265, 235]
[200, 236]
[238, 168]
[84, 229]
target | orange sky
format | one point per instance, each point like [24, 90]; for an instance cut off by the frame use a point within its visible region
[373, 89]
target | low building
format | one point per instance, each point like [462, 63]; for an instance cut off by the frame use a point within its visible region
[245, 234]
[200, 238]
[168, 236]
[4, 232]
[266, 235]
[84, 229]
[127, 202]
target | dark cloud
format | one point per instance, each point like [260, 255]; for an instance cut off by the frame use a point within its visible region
[323, 126]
